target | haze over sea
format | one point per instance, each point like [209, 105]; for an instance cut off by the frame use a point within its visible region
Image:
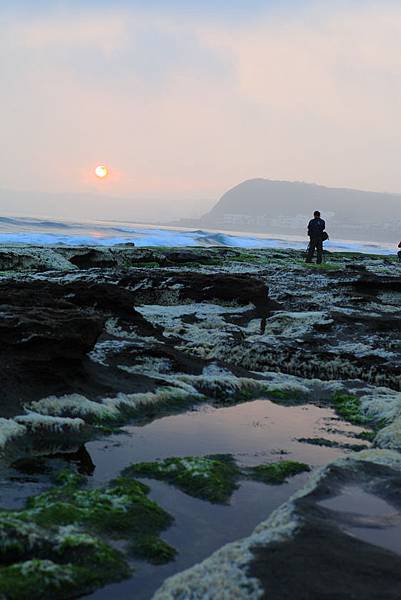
[38, 232]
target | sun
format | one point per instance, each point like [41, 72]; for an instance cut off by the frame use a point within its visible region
[101, 171]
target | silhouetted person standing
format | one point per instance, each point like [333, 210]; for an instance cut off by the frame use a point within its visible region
[316, 228]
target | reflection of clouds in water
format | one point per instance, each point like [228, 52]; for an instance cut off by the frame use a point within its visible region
[367, 517]
[249, 431]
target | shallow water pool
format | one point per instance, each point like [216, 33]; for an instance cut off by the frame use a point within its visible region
[254, 432]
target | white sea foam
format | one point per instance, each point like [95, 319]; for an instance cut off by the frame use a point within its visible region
[45, 232]
[9, 431]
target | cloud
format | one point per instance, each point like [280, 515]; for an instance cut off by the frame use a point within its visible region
[183, 106]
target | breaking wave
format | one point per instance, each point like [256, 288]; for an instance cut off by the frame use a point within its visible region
[39, 232]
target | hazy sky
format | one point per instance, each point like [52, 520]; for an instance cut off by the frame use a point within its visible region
[184, 99]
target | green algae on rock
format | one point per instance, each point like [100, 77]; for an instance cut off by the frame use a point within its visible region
[349, 408]
[286, 396]
[39, 578]
[51, 548]
[121, 510]
[67, 564]
[43, 578]
[319, 441]
[369, 436]
[213, 478]
[277, 472]
[153, 549]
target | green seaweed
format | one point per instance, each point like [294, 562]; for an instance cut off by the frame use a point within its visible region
[285, 396]
[369, 436]
[277, 472]
[247, 258]
[349, 408]
[54, 539]
[213, 478]
[70, 561]
[332, 444]
[43, 578]
[120, 510]
[153, 549]
[39, 578]
[106, 429]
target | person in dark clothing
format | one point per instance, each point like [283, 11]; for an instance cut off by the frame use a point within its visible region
[399, 252]
[316, 228]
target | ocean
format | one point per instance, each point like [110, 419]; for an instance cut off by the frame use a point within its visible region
[39, 232]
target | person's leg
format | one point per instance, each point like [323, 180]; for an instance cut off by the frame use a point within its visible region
[399, 255]
[319, 252]
[311, 250]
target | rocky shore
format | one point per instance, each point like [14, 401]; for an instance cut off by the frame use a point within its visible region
[93, 338]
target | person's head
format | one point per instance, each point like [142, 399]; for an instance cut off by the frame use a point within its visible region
[316, 214]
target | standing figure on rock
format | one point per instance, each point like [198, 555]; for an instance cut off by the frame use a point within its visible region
[317, 235]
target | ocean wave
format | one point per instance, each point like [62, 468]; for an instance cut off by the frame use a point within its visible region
[41, 232]
[31, 222]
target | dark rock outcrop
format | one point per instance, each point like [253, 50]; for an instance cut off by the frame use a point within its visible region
[165, 287]
[93, 259]
[373, 284]
[46, 332]
[105, 299]
[41, 350]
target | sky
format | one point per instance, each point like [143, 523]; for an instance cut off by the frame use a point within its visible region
[183, 99]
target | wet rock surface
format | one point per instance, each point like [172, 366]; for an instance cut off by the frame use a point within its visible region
[94, 337]
[312, 547]
[323, 554]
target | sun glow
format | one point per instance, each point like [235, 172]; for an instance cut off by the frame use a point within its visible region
[101, 171]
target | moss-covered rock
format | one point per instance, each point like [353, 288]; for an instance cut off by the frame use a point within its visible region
[285, 395]
[213, 478]
[40, 579]
[369, 436]
[20, 539]
[120, 510]
[153, 549]
[349, 408]
[37, 564]
[52, 548]
[43, 578]
[277, 472]
[319, 441]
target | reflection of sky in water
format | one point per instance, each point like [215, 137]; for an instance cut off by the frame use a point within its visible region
[355, 500]
[380, 523]
[255, 432]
